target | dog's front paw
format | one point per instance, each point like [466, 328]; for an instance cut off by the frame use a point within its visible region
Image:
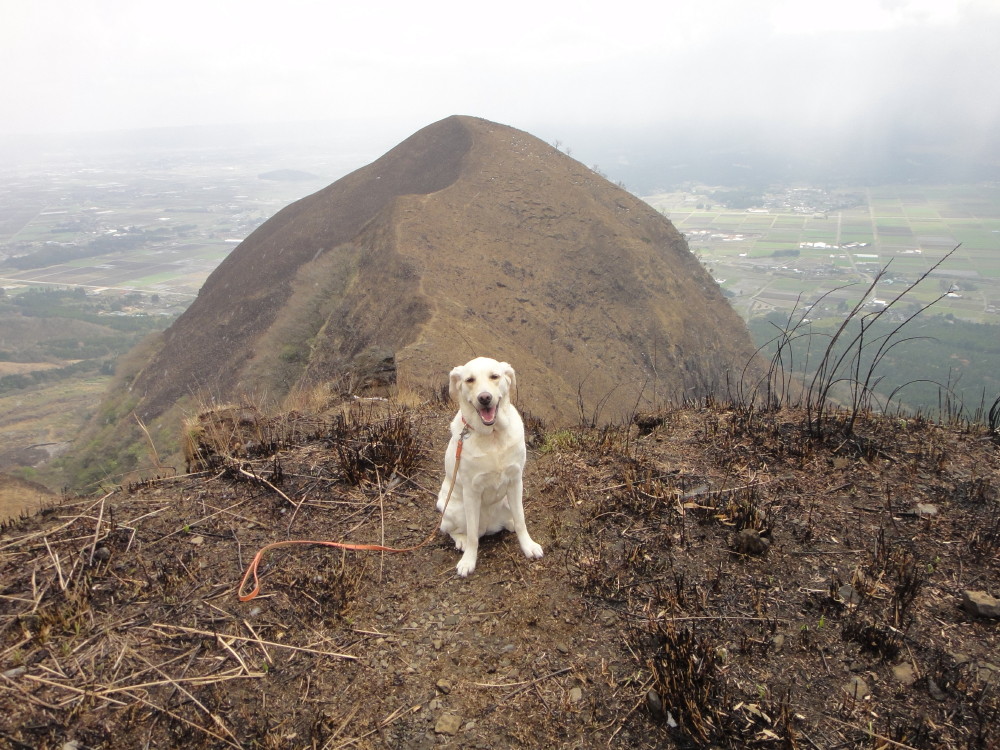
[466, 565]
[532, 549]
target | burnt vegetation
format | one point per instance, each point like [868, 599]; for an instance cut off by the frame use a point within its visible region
[762, 571]
[708, 581]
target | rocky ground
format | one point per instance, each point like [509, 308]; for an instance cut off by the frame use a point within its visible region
[712, 577]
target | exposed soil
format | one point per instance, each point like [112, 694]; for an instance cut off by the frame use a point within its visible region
[712, 578]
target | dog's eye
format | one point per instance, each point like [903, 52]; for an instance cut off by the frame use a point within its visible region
[470, 379]
[494, 376]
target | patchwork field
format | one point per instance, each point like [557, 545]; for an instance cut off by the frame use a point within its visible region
[821, 240]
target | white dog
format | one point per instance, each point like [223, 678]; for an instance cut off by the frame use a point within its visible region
[488, 491]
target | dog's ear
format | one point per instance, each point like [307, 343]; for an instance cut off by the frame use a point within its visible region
[454, 379]
[508, 372]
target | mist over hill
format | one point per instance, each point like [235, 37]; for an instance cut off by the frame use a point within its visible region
[649, 159]
[645, 157]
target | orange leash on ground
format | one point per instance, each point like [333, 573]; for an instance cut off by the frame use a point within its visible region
[252, 569]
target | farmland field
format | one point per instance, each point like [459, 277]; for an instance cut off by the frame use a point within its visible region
[812, 254]
[96, 252]
[822, 240]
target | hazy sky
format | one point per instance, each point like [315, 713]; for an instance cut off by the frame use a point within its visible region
[776, 66]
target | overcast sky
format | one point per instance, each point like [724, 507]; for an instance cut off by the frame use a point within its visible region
[547, 66]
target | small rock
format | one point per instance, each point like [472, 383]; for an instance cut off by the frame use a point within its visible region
[987, 672]
[438, 644]
[575, 695]
[451, 620]
[778, 641]
[857, 688]
[904, 673]
[980, 603]
[196, 540]
[848, 594]
[935, 690]
[750, 542]
[254, 611]
[448, 724]
[654, 703]
[562, 648]
[722, 654]
[925, 510]
[444, 686]
[102, 553]
[15, 672]
[72, 745]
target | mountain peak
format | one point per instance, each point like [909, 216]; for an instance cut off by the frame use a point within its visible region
[467, 238]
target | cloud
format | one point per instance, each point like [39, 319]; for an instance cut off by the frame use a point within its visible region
[794, 69]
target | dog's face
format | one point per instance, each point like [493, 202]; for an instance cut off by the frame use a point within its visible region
[481, 386]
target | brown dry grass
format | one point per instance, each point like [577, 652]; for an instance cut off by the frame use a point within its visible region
[20, 496]
[643, 626]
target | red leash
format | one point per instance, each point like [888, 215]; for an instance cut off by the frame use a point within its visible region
[252, 569]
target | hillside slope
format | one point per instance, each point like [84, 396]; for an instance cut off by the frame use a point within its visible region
[657, 618]
[467, 238]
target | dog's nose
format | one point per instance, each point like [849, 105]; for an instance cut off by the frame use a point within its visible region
[485, 398]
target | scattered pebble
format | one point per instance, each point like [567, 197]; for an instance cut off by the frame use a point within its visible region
[778, 641]
[15, 672]
[750, 542]
[904, 673]
[451, 620]
[980, 603]
[654, 703]
[935, 690]
[925, 510]
[444, 686]
[102, 553]
[987, 672]
[848, 594]
[857, 688]
[438, 644]
[575, 695]
[196, 540]
[562, 648]
[448, 724]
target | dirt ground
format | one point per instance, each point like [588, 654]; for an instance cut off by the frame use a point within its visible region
[712, 578]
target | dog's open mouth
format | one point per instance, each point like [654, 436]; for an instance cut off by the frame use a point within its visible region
[488, 414]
